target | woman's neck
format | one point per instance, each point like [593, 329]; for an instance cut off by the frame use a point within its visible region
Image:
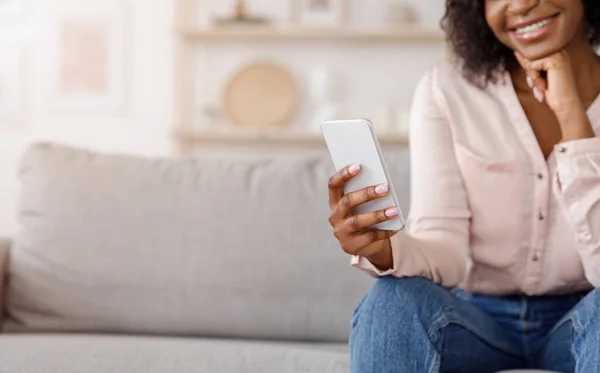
[586, 70]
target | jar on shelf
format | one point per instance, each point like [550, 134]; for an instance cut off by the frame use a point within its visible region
[208, 117]
[401, 13]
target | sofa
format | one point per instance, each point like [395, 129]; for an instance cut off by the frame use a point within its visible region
[200, 264]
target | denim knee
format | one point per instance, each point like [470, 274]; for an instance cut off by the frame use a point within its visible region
[408, 301]
[389, 333]
[588, 312]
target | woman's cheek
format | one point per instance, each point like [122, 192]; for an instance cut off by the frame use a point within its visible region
[495, 11]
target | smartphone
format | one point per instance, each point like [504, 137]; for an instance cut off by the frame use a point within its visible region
[354, 141]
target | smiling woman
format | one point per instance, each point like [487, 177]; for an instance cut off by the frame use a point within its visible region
[505, 203]
[491, 52]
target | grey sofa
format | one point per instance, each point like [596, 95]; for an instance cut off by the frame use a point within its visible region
[129, 264]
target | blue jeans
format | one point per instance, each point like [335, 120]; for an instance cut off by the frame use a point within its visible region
[412, 325]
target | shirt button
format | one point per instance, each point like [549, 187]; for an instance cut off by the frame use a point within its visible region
[540, 176]
[535, 258]
[540, 216]
[562, 149]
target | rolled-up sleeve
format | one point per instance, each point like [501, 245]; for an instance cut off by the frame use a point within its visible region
[435, 244]
[577, 189]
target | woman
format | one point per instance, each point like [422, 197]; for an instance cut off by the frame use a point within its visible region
[506, 203]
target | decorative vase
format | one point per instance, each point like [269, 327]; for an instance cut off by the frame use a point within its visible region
[401, 13]
[322, 95]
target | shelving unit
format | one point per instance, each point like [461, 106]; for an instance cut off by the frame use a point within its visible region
[267, 137]
[189, 37]
[266, 33]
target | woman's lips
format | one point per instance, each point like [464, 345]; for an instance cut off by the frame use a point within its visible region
[535, 31]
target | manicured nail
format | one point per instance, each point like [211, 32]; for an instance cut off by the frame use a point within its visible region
[392, 212]
[529, 81]
[538, 94]
[382, 189]
[354, 168]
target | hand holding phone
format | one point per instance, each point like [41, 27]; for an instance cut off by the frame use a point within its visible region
[364, 208]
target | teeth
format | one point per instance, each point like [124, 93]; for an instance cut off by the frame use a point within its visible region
[533, 27]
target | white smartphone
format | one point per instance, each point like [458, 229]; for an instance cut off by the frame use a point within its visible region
[354, 141]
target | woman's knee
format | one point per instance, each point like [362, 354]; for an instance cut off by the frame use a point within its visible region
[402, 300]
[391, 328]
[588, 312]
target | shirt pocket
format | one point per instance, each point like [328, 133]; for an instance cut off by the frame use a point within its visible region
[496, 193]
[469, 158]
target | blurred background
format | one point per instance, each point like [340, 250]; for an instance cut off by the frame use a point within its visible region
[201, 225]
[180, 77]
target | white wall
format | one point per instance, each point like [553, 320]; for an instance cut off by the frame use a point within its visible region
[144, 126]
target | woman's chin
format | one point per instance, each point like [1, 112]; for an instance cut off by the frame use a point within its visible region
[540, 51]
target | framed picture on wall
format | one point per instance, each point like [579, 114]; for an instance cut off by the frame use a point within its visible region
[87, 58]
[11, 85]
[320, 13]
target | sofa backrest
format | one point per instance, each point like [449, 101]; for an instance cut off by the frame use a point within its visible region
[213, 247]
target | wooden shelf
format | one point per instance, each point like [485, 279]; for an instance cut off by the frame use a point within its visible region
[268, 137]
[272, 33]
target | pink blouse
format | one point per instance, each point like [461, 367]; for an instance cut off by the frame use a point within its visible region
[489, 213]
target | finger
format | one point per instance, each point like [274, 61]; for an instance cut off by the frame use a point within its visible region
[539, 81]
[521, 59]
[525, 63]
[528, 65]
[537, 84]
[337, 182]
[351, 200]
[533, 75]
[539, 94]
[548, 63]
[554, 61]
[364, 241]
[535, 81]
[358, 223]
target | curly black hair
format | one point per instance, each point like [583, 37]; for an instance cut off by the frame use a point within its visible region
[481, 55]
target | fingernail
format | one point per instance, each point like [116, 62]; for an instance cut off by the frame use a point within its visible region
[354, 168]
[382, 189]
[538, 94]
[392, 212]
[529, 81]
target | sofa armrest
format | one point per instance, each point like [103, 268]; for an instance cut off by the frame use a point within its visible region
[5, 245]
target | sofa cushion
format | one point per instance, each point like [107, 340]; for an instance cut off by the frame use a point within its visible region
[101, 354]
[221, 247]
